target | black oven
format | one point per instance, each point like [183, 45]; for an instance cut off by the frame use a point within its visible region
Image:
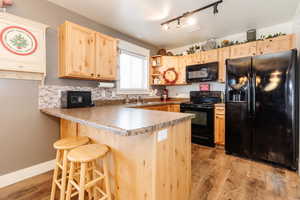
[202, 73]
[202, 124]
[202, 106]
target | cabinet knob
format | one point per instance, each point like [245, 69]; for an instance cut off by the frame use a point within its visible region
[92, 74]
[98, 75]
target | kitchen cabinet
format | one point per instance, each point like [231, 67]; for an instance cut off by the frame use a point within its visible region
[209, 56]
[219, 124]
[243, 50]
[106, 57]
[167, 108]
[169, 62]
[77, 51]
[86, 54]
[174, 108]
[181, 70]
[273, 45]
[224, 53]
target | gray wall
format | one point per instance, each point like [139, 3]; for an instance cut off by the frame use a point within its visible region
[26, 135]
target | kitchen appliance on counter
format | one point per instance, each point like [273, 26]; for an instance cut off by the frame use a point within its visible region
[202, 73]
[262, 108]
[76, 99]
[202, 105]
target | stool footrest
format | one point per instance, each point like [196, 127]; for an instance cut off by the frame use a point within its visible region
[104, 195]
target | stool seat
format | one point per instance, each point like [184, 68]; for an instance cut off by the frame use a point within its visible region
[71, 143]
[88, 153]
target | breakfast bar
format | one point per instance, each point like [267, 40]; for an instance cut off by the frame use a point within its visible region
[150, 155]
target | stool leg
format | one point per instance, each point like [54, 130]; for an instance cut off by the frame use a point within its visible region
[89, 178]
[71, 174]
[55, 175]
[106, 178]
[95, 196]
[64, 176]
[82, 181]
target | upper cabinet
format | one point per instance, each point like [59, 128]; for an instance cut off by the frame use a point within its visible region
[210, 56]
[243, 50]
[179, 63]
[106, 54]
[281, 43]
[86, 54]
[224, 54]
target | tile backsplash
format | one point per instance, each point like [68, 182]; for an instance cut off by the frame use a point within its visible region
[49, 95]
[184, 91]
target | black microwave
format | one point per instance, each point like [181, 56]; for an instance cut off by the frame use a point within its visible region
[76, 99]
[202, 73]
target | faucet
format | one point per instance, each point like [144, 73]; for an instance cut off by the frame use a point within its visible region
[139, 99]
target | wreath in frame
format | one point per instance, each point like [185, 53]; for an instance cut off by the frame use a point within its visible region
[170, 76]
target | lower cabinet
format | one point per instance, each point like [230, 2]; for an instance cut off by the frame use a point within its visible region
[220, 124]
[167, 108]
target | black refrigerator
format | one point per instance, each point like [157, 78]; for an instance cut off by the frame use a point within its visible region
[262, 108]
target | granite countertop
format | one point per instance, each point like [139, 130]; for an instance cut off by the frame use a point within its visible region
[126, 120]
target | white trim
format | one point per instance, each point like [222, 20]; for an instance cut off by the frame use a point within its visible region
[14, 177]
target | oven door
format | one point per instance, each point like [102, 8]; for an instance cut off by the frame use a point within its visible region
[202, 125]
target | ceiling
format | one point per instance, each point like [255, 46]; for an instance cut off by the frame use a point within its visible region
[141, 19]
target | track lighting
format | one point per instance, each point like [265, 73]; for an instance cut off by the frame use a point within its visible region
[189, 20]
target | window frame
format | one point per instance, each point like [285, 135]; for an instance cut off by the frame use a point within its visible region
[138, 51]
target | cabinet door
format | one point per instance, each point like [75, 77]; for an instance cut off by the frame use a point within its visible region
[197, 58]
[282, 43]
[181, 70]
[220, 129]
[243, 50]
[106, 57]
[169, 61]
[80, 51]
[189, 59]
[224, 53]
[210, 56]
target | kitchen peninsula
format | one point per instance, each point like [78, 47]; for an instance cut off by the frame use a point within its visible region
[146, 146]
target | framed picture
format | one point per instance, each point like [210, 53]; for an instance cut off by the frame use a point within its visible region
[22, 46]
[204, 87]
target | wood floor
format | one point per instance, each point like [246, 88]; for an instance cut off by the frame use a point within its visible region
[215, 176]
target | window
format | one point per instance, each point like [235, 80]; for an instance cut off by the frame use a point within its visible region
[133, 71]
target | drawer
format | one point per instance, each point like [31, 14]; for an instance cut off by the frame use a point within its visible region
[220, 111]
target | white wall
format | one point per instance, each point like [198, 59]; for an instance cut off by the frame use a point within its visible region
[183, 91]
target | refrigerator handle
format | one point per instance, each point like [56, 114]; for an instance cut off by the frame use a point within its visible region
[253, 85]
[249, 94]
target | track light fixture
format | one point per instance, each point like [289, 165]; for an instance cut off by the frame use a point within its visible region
[166, 25]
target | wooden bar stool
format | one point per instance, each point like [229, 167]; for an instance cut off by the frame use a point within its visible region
[63, 147]
[87, 156]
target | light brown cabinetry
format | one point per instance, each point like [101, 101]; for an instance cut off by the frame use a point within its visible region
[224, 54]
[273, 45]
[77, 51]
[86, 54]
[167, 108]
[243, 50]
[209, 56]
[106, 57]
[219, 124]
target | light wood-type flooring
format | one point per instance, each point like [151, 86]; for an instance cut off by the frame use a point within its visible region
[215, 176]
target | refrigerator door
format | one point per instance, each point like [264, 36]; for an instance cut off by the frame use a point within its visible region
[274, 136]
[238, 107]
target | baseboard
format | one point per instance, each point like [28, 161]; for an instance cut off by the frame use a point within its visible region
[14, 177]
